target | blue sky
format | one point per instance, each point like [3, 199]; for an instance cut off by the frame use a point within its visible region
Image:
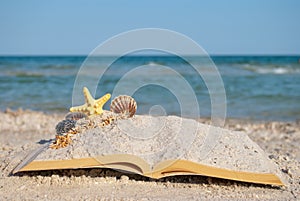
[220, 27]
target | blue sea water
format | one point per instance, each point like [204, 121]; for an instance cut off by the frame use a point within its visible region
[257, 87]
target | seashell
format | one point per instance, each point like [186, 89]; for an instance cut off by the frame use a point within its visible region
[123, 104]
[64, 126]
[76, 116]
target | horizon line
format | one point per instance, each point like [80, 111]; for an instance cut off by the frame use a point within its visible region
[138, 55]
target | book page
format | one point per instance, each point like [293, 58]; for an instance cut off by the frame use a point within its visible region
[153, 140]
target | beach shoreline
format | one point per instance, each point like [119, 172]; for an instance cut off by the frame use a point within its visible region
[24, 130]
[257, 87]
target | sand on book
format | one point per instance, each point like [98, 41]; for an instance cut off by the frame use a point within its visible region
[161, 146]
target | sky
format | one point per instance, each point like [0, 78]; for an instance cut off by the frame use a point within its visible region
[76, 27]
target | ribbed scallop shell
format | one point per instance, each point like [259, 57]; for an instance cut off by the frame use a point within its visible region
[75, 116]
[123, 104]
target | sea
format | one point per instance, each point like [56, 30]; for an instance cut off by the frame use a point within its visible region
[256, 87]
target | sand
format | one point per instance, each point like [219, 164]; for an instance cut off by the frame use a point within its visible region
[21, 131]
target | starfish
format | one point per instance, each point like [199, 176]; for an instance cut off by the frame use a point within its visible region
[91, 105]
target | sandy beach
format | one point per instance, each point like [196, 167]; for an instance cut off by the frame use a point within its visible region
[149, 100]
[22, 131]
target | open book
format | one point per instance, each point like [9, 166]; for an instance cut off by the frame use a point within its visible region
[158, 147]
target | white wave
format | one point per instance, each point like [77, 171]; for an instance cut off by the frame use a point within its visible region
[151, 63]
[272, 69]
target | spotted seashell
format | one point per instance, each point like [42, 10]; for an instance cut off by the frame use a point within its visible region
[64, 126]
[124, 105]
[76, 116]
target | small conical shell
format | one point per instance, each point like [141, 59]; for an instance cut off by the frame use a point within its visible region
[123, 104]
[64, 126]
[76, 116]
